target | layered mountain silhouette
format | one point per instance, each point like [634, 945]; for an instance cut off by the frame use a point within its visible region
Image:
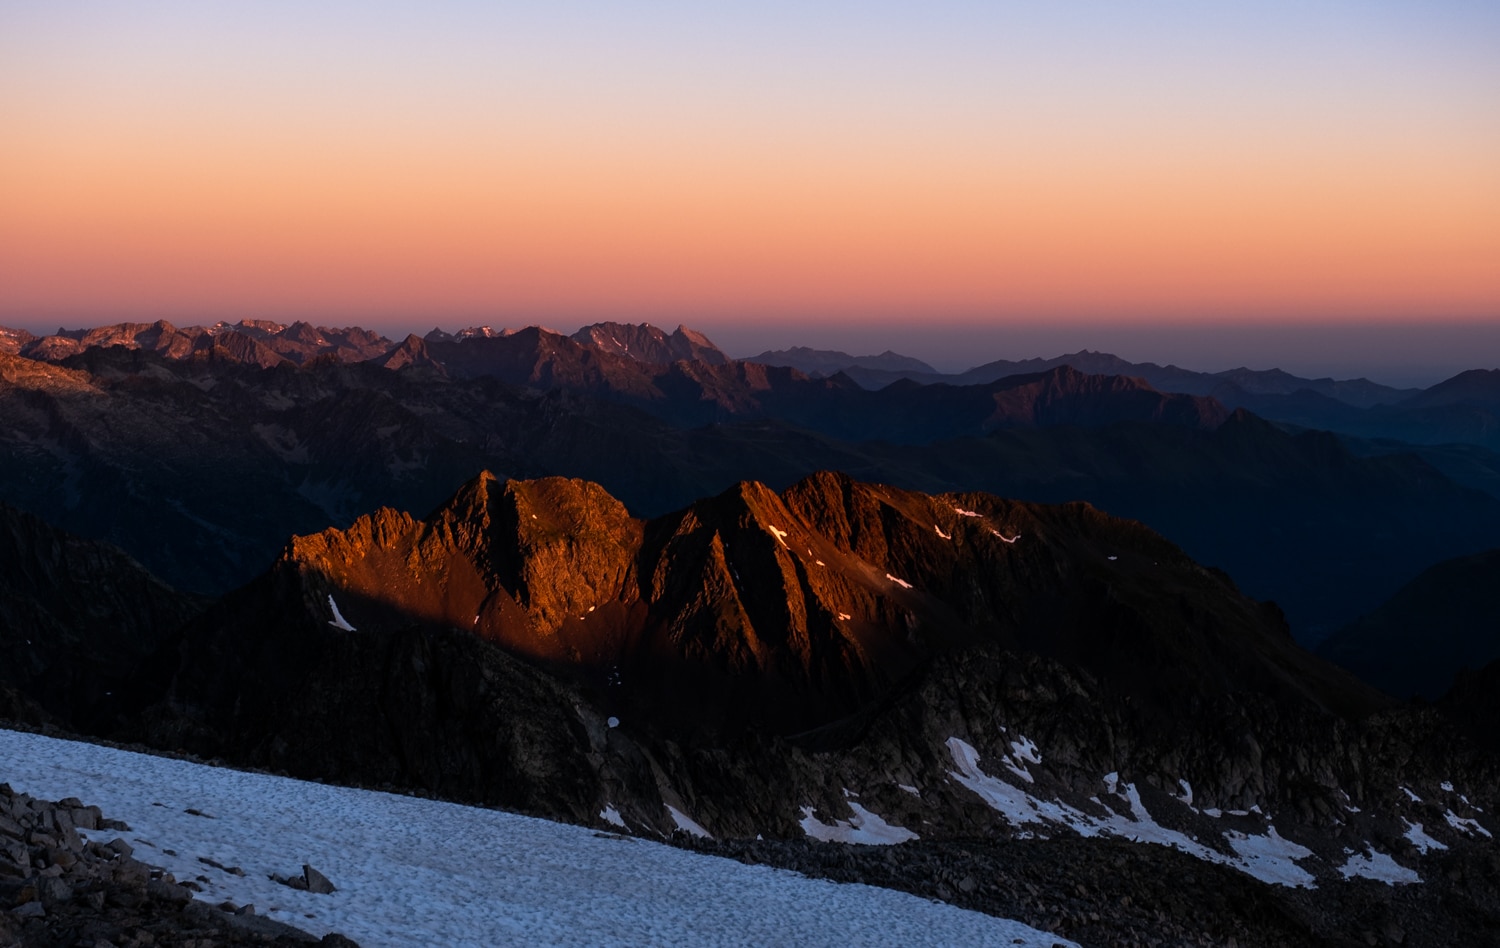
[833, 361]
[201, 465]
[1232, 386]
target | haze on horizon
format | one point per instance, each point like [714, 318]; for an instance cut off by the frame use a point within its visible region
[1293, 184]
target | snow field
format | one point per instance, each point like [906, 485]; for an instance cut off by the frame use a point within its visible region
[419, 872]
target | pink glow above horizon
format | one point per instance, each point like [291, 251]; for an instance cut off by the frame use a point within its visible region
[947, 162]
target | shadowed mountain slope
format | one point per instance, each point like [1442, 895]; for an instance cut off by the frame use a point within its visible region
[1443, 622]
[76, 616]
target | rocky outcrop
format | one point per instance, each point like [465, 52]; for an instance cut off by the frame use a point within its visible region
[58, 890]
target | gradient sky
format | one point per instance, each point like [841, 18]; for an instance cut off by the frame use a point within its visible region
[795, 170]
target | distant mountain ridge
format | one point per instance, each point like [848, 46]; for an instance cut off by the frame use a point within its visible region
[1361, 393]
[832, 361]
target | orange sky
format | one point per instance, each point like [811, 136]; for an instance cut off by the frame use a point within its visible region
[131, 193]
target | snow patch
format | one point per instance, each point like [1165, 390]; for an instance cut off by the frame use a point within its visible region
[1413, 796]
[911, 790]
[392, 859]
[945, 536]
[1465, 825]
[1419, 837]
[1025, 749]
[863, 827]
[1378, 866]
[610, 815]
[1187, 791]
[1269, 858]
[899, 582]
[843, 617]
[779, 534]
[965, 513]
[687, 823]
[1005, 538]
[339, 622]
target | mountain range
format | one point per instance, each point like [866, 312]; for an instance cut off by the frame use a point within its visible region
[200, 464]
[618, 578]
[838, 660]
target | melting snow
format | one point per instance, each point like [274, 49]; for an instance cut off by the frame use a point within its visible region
[863, 827]
[1419, 837]
[1378, 866]
[399, 883]
[1187, 791]
[1269, 858]
[899, 582]
[687, 823]
[339, 622]
[610, 815]
[1465, 825]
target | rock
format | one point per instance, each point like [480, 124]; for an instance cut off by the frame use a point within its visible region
[53, 889]
[316, 882]
[29, 910]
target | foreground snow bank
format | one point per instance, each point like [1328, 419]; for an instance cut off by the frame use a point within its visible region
[413, 871]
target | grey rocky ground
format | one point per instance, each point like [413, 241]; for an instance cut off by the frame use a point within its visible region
[58, 890]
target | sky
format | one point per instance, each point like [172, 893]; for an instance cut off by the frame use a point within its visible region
[960, 174]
